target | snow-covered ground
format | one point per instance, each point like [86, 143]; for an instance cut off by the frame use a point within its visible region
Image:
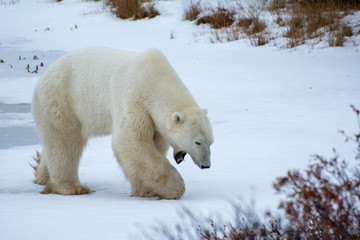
[271, 109]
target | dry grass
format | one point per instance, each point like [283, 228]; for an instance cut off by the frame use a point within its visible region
[230, 34]
[280, 20]
[192, 10]
[134, 9]
[295, 27]
[260, 39]
[316, 19]
[252, 25]
[218, 17]
[230, 23]
[277, 4]
[298, 20]
[337, 36]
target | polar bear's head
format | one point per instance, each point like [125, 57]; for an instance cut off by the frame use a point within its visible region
[189, 131]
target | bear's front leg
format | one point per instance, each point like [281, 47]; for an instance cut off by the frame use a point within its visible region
[150, 173]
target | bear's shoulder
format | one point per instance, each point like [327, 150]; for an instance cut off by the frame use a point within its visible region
[153, 55]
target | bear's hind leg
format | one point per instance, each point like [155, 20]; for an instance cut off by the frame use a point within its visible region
[63, 151]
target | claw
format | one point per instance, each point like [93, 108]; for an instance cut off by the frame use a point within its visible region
[34, 167]
[37, 158]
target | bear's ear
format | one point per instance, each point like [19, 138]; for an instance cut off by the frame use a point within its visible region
[205, 111]
[177, 117]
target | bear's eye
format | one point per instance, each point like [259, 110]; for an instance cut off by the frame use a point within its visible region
[197, 143]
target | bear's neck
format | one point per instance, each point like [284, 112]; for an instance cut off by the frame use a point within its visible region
[163, 103]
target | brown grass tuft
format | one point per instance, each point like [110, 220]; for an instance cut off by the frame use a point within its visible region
[192, 11]
[135, 9]
[313, 19]
[260, 39]
[254, 27]
[346, 31]
[300, 21]
[219, 17]
[337, 36]
[280, 19]
[295, 27]
[245, 22]
[277, 4]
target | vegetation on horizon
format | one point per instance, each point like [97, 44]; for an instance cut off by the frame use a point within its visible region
[299, 21]
[287, 23]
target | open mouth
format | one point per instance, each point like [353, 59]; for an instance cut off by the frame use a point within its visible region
[179, 157]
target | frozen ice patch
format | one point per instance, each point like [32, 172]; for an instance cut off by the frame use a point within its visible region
[17, 126]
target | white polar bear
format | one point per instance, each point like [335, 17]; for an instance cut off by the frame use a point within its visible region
[136, 97]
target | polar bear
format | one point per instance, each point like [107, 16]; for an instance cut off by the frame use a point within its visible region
[136, 97]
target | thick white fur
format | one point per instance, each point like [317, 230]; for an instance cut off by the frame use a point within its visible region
[134, 97]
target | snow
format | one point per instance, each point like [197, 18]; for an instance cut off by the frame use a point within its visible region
[270, 108]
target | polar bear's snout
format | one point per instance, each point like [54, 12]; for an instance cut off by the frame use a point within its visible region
[205, 158]
[201, 156]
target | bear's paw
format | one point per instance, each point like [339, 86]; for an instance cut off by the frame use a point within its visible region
[67, 189]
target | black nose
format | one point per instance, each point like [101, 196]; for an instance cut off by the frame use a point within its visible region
[203, 167]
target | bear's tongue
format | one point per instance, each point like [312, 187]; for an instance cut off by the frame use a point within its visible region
[179, 157]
